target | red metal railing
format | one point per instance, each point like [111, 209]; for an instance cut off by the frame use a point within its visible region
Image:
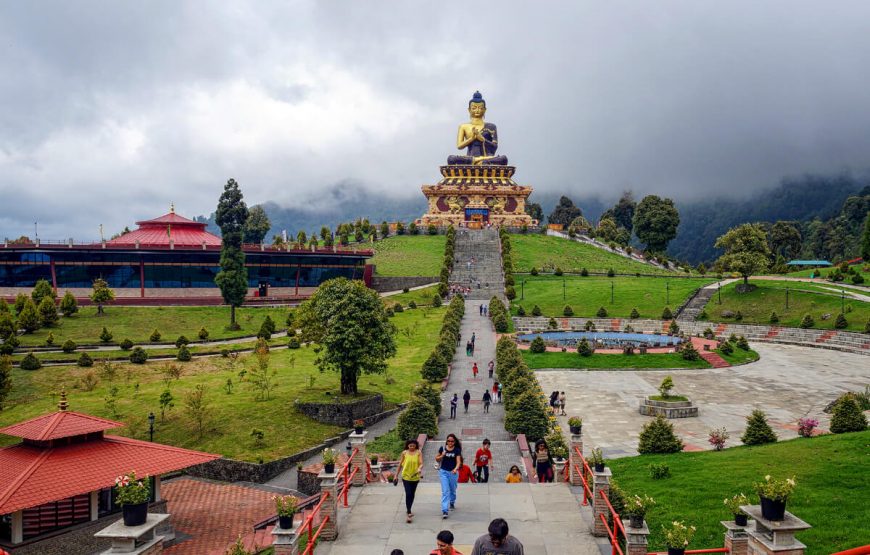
[863, 550]
[347, 476]
[585, 472]
[308, 525]
[617, 526]
[691, 551]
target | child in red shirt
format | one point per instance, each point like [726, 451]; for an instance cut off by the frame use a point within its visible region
[474, 369]
[481, 461]
[465, 475]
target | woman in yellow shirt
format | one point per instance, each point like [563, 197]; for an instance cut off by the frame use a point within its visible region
[514, 476]
[411, 471]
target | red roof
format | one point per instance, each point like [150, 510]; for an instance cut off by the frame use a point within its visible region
[58, 425]
[31, 476]
[159, 231]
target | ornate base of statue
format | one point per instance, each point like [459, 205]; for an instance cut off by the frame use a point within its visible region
[477, 195]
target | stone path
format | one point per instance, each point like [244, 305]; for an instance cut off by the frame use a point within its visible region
[788, 383]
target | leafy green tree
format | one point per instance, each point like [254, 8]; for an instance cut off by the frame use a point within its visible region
[758, 431]
[746, 250]
[257, 225]
[5, 378]
[865, 240]
[29, 317]
[101, 294]
[534, 210]
[785, 239]
[41, 290]
[564, 213]
[232, 279]
[847, 416]
[20, 300]
[349, 322]
[166, 402]
[68, 305]
[198, 407]
[417, 418]
[655, 222]
[47, 312]
[622, 213]
[658, 436]
[606, 230]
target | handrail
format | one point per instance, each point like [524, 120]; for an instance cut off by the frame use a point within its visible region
[862, 550]
[308, 524]
[343, 474]
[347, 483]
[312, 539]
[584, 472]
[691, 551]
[617, 525]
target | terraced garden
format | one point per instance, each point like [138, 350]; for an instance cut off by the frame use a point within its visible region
[409, 255]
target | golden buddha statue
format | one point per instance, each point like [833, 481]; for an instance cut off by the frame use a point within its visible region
[480, 138]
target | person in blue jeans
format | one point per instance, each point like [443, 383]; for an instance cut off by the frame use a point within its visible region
[449, 458]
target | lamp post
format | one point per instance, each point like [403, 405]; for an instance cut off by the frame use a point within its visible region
[611, 292]
[786, 298]
[668, 293]
[151, 427]
[842, 301]
[349, 449]
[719, 290]
[564, 285]
[523, 291]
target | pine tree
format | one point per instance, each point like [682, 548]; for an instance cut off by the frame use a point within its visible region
[29, 317]
[41, 290]
[101, 294]
[584, 349]
[658, 436]
[232, 279]
[68, 305]
[47, 312]
[865, 240]
[758, 431]
[847, 416]
[5, 378]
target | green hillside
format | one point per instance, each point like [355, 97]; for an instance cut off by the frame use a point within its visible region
[830, 471]
[544, 251]
[409, 255]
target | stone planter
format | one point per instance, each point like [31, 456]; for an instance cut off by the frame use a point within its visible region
[668, 409]
[135, 515]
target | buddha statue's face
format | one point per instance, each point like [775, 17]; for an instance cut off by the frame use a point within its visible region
[477, 109]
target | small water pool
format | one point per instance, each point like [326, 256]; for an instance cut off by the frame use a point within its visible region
[606, 338]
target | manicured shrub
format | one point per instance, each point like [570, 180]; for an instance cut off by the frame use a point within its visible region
[521, 311]
[155, 336]
[602, 312]
[568, 311]
[68, 346]
[436, 300]
[689, 352]
[536, 310]
[28, 319]
[269, 324]
[584, 349]
[634, 314]
[534, 271]
[807, 321]
[742, 343]
[293, 343]
[841, 323]
[432, 230]
[758, 431]
[658, 436]
[667, 314]
[68, 305]
[538, 345]
[552, 324]
[183, 354]
[182, 340]
[774, 318]
[847, 416]
[105, 335]
[412, 305]
[659, 471]
[85, 360]
[589, 325]
[138, 355]
[709, 334]
[510, 293]
[610, 272]
[266, 333]
[434, 369]
[30, 362]
[47, 312]
[202, 334]
[584, 272]
[126, 344]
[500, 322]
[528, 416]
[509, 280]
[726, 348]
[417, 418]
[673, 328]
[430, 395]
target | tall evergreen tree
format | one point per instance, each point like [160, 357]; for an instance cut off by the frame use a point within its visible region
[29, 317]
[5, 378]
[257, 225]
[623, 211]
[68, 304]
[655, 222]
[564, 213]
[785, 239]
[534, 210]
[231, 217]
[865, 240]
[41, 290]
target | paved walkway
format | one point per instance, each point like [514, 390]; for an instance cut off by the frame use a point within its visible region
[788, 383]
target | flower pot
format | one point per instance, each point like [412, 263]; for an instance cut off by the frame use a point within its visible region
[599, 467]
[741, 519]
[329, 468]
[134, 515]
[358, 430]
[635, 521]
[772, 509]
[576, 430]
[676, 550]
[285, 522]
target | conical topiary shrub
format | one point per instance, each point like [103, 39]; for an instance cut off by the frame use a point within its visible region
[847, 416]
[417, 418]
[30, 362]
[658, 436]
[758, 431]
[527, 416]
[584, 349]
[538, 345]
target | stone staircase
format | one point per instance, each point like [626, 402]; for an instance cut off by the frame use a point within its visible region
[696, 304]
[484, 276]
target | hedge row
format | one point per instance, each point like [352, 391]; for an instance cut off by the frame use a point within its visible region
[499, 315]
[507, 264]
[435, 367]
[525, 406]
[447, 263]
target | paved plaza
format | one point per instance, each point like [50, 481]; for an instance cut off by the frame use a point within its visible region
[788, 382]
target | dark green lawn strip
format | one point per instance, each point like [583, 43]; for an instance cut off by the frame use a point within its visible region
[616, 361]
[832, 484]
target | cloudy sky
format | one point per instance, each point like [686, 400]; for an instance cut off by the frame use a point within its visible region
[111, 110]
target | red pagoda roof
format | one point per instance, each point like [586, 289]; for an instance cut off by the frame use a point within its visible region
[159, 231]
[60, 424]
[31, 476]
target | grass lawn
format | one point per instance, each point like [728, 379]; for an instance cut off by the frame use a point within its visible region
[137, 323]
[419, 296]
[831, 475]
[757, 305]
[542, 251]
[389, 445]
[233, 416]
[586, 295]
[817, 272]
[609, 362]
[409, 255]
[739, 356]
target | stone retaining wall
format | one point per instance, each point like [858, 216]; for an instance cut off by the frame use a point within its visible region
[382, 284]
[343, 414]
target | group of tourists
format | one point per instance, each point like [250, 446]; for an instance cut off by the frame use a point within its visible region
[457, 289]
[497, 541]
[557, 402]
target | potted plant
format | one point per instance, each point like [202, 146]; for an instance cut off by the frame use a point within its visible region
[598, 460]
[733, 504]
[329, 457]
[773, 494]
[374, 459]
[575, 423]
[285, 506]
[677, 537]
[359, 425]
[132, 494]
[636, 507]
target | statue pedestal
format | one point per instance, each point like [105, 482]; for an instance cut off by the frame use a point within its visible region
[475, 196]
